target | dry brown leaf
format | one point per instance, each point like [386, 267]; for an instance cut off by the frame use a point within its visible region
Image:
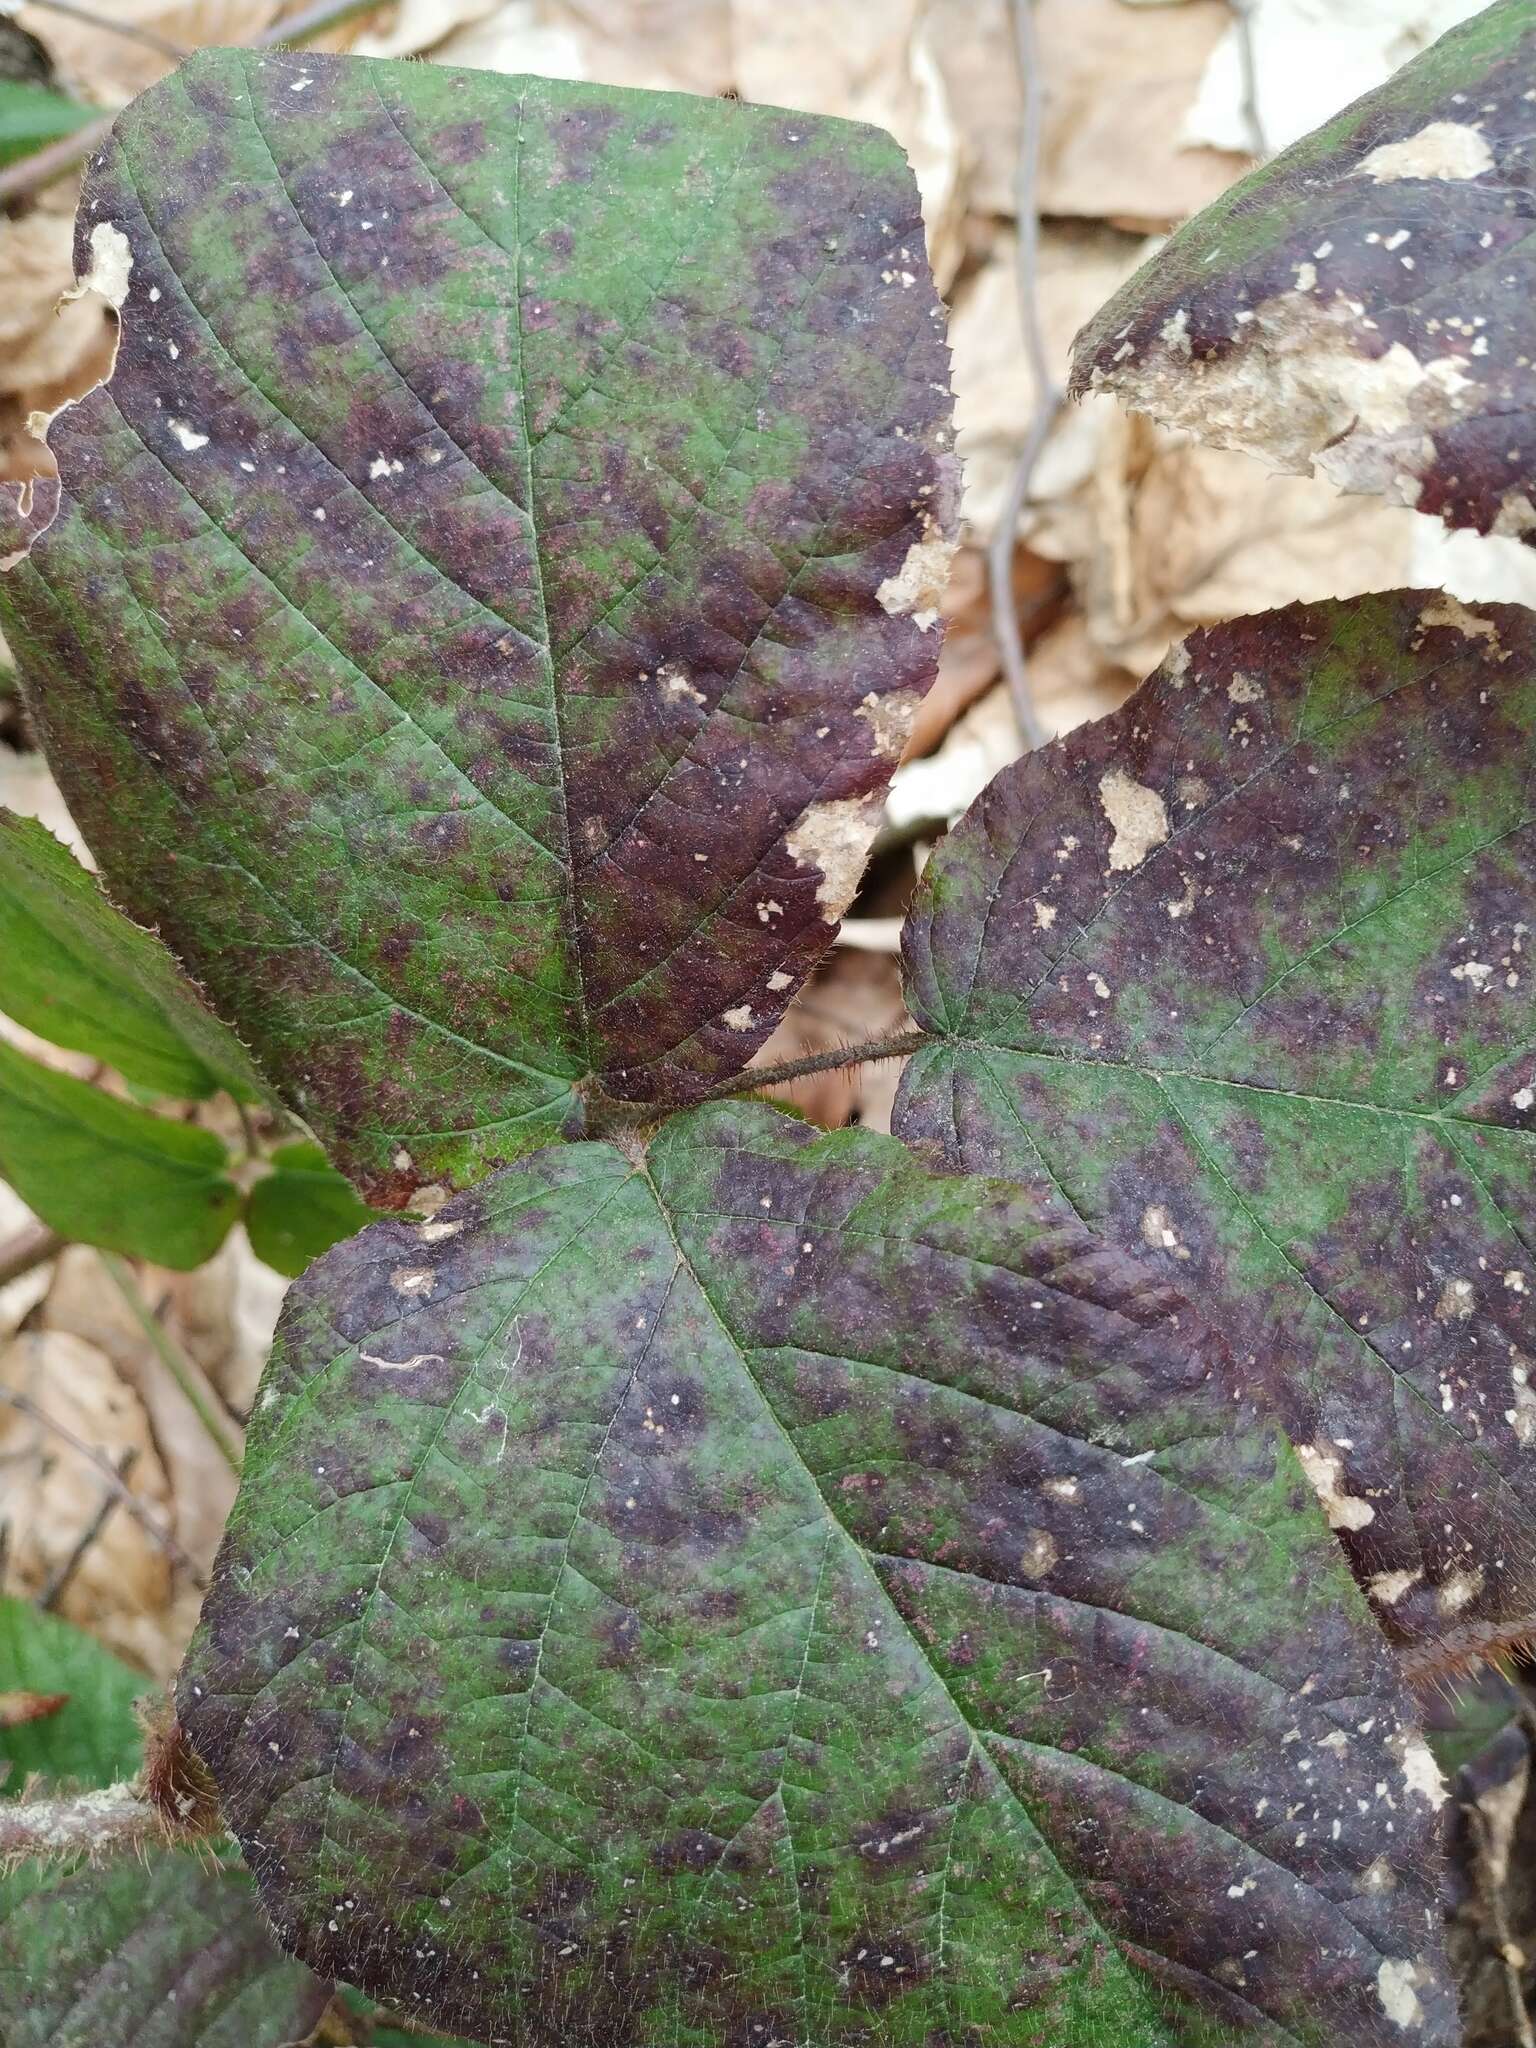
[413, 27]
[1120, 82]
[48, 351]
[1166, 535]
[194, 1307]
[994, 393]
[121, 1590]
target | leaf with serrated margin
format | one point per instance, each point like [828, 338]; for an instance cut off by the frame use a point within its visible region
[766, 1592]
[177, 1954]
[1244, 973]
[80, 974]
[1364, 305]
[104, 1172]
[490, 596]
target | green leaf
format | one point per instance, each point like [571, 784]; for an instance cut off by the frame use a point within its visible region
[1363, 305]
[177, 1954]
[103, 1172]
[301, 1209]
[490, 598]
[79, 974]
[767, 1592]
[1243, 975]
[31, 115]
[93, 1738]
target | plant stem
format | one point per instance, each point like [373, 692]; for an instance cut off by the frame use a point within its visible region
[83, 1823]
[187, 1376]
[27, 1250]
[897, 1047]
[155, 1529]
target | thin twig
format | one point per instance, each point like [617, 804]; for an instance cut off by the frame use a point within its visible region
[54, 1591]
[152, 1526]
[897, 1047]
[1253, 120]
[27, 1250]
[183, 1371]
[1048, 393]
[1510, 1954]
[130, 31]
[17, 181]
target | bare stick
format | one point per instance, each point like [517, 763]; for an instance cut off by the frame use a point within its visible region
[130, 31]
[1048, 393]
[53, 1592]
[150, 1523]
[27, 1250]
[188, 1377]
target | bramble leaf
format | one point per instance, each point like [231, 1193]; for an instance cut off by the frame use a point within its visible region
[105, 1172]
[765, 1592]
[80, 974]
[176, 1953]
[1244, 973]
[301, 1208]
[1362, 305]
[91, 1739]
[491, 594]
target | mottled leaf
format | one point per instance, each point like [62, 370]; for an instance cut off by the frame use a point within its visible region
[767, 1593]
[78, 973]
[176, 1954]
[301, 1208]
[104, 1172]
[1244, 972]
[1363, 304]
[490, 596]
[93, 1738]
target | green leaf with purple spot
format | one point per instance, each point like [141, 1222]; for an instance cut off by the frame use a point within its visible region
[1363, 304]
[1245, 975]
[176, 1954]
[488, 600]
[763, 1592]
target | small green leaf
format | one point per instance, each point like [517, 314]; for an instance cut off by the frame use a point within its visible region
[1243, 976]
[767, 1592]
[79, 974]
[485, 611]
[301, 1209]
[94, 1737]
[103, 1172]
[177, 1954]
[1363, 305]
[31, 115]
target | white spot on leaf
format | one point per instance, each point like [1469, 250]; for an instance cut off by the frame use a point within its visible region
[1139, 816]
